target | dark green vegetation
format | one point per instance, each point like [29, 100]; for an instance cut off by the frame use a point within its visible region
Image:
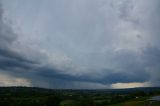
[24, 96]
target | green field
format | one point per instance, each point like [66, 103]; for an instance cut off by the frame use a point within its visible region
[130, 103]
[22, 96]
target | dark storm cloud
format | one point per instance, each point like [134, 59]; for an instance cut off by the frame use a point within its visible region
[108, 76]
[152, 61]
[101, 42]
[14, 64]
[13, 55]
[10, 59]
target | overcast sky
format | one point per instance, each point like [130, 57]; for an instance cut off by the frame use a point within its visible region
[80, 43]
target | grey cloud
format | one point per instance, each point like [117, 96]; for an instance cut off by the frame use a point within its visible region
[85, 41]
[9, 58]
[107, 76]
[13, 55]
[152, 60]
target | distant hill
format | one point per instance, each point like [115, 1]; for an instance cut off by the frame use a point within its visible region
[45, 90]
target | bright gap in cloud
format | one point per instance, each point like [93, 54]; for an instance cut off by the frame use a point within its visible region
[7, 80]
[129, 85]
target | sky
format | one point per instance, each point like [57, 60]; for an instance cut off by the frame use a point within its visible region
[80, 44]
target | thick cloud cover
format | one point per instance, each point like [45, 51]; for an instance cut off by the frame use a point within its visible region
[80, 44]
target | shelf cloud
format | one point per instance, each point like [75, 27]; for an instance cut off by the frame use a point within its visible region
[79, 44]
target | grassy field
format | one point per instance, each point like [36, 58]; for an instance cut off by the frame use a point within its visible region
[137, 103]
[23, 96]
[130, 103]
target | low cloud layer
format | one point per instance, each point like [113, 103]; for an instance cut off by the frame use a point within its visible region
[79, 44]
